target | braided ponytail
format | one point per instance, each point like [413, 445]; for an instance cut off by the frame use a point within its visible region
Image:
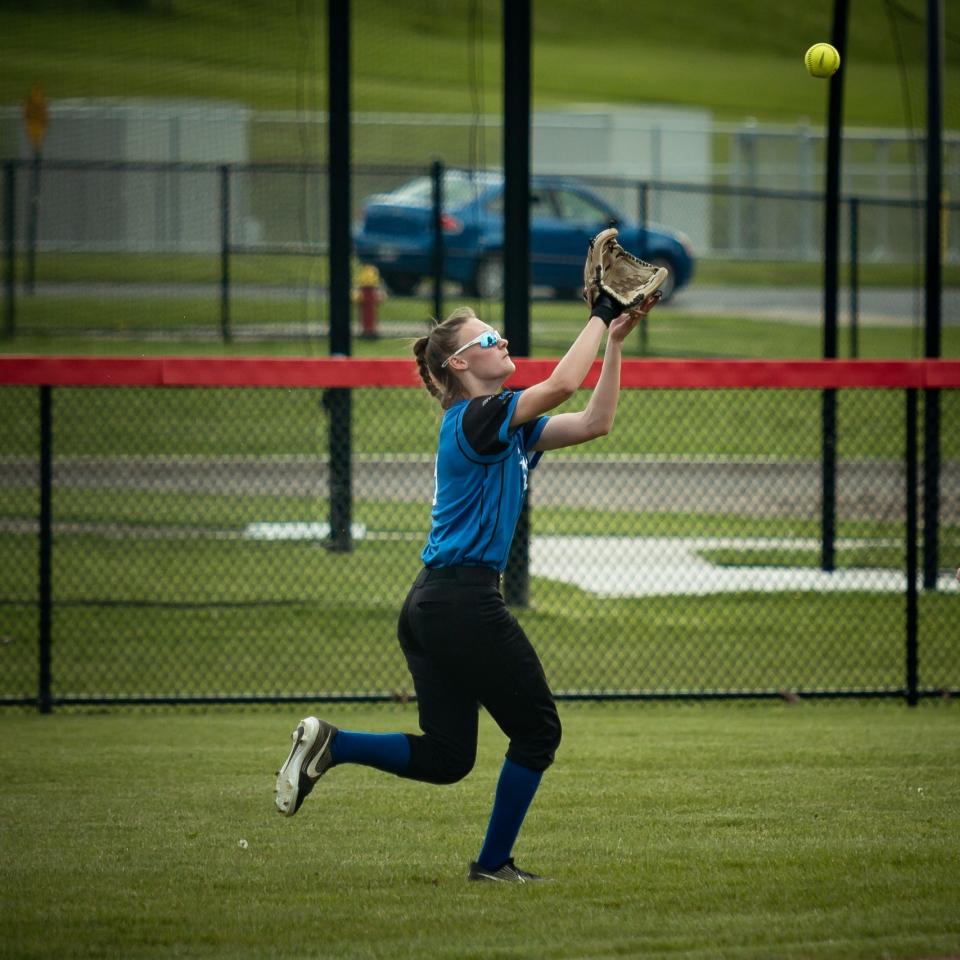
[433, 349]
[420, 351]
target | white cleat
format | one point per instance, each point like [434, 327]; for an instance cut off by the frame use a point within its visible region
[308, 760]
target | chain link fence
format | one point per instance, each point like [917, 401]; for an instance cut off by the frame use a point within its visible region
[176, 207]
[202, 251]
[191, 556]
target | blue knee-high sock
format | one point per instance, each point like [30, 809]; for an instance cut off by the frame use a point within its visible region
[515, 790]
[385, 751]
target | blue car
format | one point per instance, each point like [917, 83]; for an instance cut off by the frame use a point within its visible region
[396, 235]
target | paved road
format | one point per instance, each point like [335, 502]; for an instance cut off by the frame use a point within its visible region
[896, 306]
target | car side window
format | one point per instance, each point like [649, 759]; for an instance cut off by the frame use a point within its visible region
[540, 205]
[579, 209]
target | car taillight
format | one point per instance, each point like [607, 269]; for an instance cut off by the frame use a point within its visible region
[450, 224]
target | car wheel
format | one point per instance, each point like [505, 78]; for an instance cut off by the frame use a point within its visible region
[670, 284]
[401, 284]
[488, 278]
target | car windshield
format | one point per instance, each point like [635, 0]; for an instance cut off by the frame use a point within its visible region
[459, 188]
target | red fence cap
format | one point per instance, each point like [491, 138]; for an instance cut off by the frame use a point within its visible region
[328, 372]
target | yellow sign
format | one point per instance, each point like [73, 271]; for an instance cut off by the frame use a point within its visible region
[37, 115]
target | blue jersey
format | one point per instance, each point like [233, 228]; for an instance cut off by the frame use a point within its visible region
[480, 482]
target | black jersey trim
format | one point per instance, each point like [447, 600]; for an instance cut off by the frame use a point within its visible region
[483, 420]
[463, 444]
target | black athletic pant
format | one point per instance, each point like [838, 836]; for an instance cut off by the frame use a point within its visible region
[464, 648]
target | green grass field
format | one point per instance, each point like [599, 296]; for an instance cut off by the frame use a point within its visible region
[780, 424]
[161, 595]
[796, 832]
[151, 573]
[153, 619]
[293, 269]
[742, 61]
[142, 326]
[813, 830]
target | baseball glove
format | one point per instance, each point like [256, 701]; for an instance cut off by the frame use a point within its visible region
[610, 269]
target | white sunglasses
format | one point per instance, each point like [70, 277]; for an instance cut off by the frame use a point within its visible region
[489, 338]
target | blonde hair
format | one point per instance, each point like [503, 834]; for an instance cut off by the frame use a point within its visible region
[434, 348]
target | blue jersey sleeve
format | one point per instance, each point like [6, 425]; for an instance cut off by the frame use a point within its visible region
[530, 431]
[531, 434]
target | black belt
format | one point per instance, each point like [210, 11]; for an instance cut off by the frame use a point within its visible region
[481, 575]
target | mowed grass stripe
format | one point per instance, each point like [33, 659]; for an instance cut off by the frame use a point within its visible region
[198, 617]
[783, 424]
[824, 831]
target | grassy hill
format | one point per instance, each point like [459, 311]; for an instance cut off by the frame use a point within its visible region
[740, 58]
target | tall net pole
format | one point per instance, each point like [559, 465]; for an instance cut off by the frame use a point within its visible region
[831, 258]
[516, 237]
[933, 290]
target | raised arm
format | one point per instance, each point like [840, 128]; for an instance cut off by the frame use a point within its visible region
[614, 280]
[596, 420]
[564, 379]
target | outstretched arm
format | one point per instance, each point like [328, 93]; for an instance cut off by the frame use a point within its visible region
[596, 420]
[565, 378]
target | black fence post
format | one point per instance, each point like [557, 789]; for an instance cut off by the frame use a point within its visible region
[854, 278]
[828, 480]
[643, 204]
[45, 584]
[931, 487]
[225, 253]
[338, 401]
[912, 650]
[33, 216]
[933, 289]
[436, 177]
[339, 407]
[644, 336]
[516, 578]
[516, 239]
[643, 214]
[10, 247]
[831, 258]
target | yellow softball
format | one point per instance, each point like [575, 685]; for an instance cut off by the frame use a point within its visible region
[822, 60]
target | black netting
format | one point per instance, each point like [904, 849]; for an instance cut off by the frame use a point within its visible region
[19, 508]
[209, 543]
[681, 555]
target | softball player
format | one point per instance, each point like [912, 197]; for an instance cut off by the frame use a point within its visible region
[462, 645]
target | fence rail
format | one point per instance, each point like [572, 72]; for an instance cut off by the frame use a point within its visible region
[194, 233]
[169, 532]
[176, 206]
[358, 372]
